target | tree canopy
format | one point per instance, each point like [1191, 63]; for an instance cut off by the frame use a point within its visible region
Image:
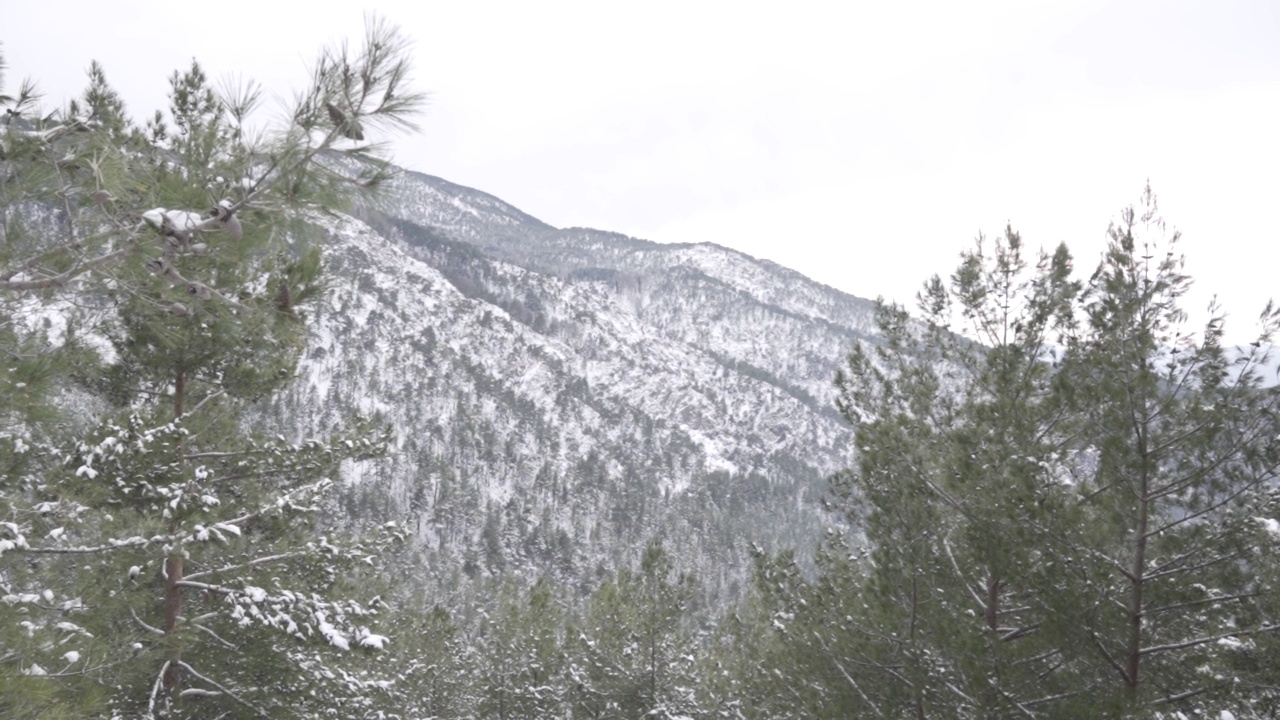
[160, 554]
[1064, 497]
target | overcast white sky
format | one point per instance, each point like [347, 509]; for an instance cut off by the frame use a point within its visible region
[864, 144]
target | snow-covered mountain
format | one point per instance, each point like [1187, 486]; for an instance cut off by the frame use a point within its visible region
[560, 396]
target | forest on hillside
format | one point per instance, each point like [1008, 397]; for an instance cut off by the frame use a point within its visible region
[1064, 503]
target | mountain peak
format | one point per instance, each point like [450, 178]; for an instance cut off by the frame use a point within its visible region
[578, 383]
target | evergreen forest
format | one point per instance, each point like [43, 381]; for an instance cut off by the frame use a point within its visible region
[1063, 504]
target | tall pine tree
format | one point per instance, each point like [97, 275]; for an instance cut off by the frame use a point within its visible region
[1067, 500]
[158, 556]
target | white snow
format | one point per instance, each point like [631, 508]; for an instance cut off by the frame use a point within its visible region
[1271, 526]
[331, 633]
[367, 639]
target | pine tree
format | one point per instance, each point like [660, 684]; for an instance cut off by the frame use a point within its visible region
[1065, 506]
[761, 661]
[158, 555]
[523, 661]
[631, 656]
[955, 487]
[433, 661]
[1177, 456]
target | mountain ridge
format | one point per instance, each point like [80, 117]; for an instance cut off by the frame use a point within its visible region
[560, 397]
[771, 265]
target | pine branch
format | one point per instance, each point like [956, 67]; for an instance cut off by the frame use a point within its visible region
[133, 542]
[149, 628]
[220, 589]
[1022, 708]
[1107, 656]
[220, 454]
[251, 563]
[73, 246]
[208, 398]
[1203, 601]
[260, 712]
[214, 635]
[1181, 483]
[1159, 573]
[280, 502]
[61, 279]
[155, 689]
[1181, 696]
[1010, 634]
[977, 597]
[1051, 698]
[854, 684]
[1203, 640]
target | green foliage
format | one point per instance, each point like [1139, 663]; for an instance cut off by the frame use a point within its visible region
[632, 655]
[436, 672]
[157, 555]
[1181, 442]
[522, 662]
[1061, 504]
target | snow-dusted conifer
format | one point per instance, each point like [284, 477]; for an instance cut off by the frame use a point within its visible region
[1176, 459]
[632, 654]
[521, 659]
[158, 556]
[1066, 518]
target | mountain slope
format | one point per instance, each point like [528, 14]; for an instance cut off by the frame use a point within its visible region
[560, 396]
[682, 290]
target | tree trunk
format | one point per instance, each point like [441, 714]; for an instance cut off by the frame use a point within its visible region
[1134, 650]
[179, 394]
[172, 609]
[915, 601]
[993, 602]
[173, 568]
[1133, 654]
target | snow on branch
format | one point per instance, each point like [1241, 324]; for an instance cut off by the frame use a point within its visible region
[223, 689]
